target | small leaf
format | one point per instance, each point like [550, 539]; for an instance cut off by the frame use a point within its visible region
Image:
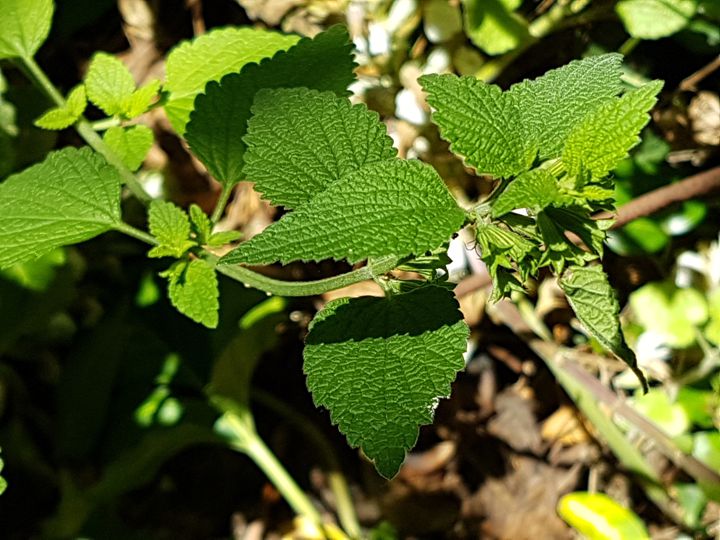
[222, 238]
[193, 290]
[140, 100]
[220, 116]
[62, 117]
[534, 189]
[386, 208]
[380, 365]
[192, 64]
[170, 225]
[492, 25]
[109, 83]
[606, 135]
[202, 226]
[131, 144]
[593, 301]
[72, 196]
[24, 26]
[654, 19]
[598, 517]
[300, 141]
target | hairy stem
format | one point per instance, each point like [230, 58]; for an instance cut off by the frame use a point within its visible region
[84, 128]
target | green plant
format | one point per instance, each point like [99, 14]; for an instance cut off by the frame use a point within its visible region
[278, 114]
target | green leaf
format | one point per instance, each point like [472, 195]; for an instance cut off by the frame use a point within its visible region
[193, 290]
[24, 26]
[380, 365]
[62, 117]
[534, 189]
[109, 83]
[300, 141]
[171, 227]
[492, 25]
[36, 275]
[481, 123]
[551, 105]
[131, 144]
[140, 100]
[598, 517]
[606, 135]
[72, 196]
[388, 208]
[559, 250]
[192, 64]
[654, 19]
[220, 117]
[201, 224]
[221, 238]
[593, 301]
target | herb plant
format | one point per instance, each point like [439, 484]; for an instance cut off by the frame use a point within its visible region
[273, 109]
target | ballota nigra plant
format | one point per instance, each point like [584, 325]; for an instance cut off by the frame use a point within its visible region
[273, 109]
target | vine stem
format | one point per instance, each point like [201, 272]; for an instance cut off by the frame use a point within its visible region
[85, 129]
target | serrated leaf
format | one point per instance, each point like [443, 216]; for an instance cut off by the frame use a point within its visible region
[24, 26]
[300, 141]
[534, 189]
[171, 227]
[593, 301]
[559, 250]
[130, 144]
[192, 64]
[220, 116]
[551, 105]
[654, 19]
[201, 224]
[481, 123]
[388, 208]
[70, 197]
[109, 83]
[221, 238]
[140, 100]
[62, 117]
[492, 25]
[380, 365]
[606, 135]
[193, 290]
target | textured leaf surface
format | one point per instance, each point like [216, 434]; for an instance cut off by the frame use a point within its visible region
[131, 144]
[193, 290]
[481, 123]
[387, 208]
[654, 19]
[24, 26]
[492, 25]
[70, 197]
[606, 135]
[380, 365]
[62, 117]
[300, 141]
[593, 301]
[219, 121]
[140, 100]
[109, 83]
[192, 64]
[534, 189]
[171, 227]
[551, 105]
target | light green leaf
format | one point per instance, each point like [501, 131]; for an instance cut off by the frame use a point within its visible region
[109, 83]
[171, 227]
[62, 117]
[220, 117]
[481, 123]
[193, 290]
[671, 417]
[593, 301]
[559, 250]
[300, 141]
[131, 144]
[70, 197]
[598, 517]
[606, 135]
[24, 26]
[140, 100]
[388, 208]
[201, 224]
[221, 238]
[380, 365]
[492, 25]
[36, 275]
[534, 189]
[654, 19]
[550, 106]
[192, 64]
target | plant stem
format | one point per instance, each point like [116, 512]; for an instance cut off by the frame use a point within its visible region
[136, 233]
[629, 45]
[105, 123]
[222, 201]
[84, 128]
